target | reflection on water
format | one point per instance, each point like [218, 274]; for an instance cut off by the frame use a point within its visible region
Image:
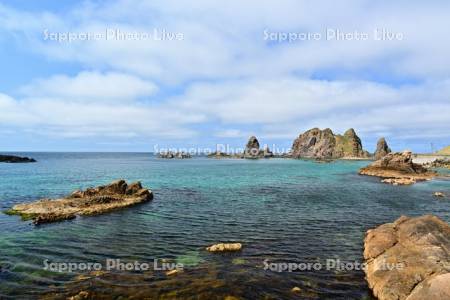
[281, 210]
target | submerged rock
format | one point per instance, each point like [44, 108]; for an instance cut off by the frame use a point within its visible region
[439, 194]
[224, 247]
[15, 159]
[399, 168]
[316, 143]
[409, 259]
[92, 201]
[382, 149]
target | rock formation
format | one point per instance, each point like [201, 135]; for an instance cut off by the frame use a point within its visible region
[92, 201]
[316, 143]
[409, 259]
[382, 149]
[399, 168]
[171, 155]
[15, 159]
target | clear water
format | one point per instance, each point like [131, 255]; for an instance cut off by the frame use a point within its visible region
[281, 210]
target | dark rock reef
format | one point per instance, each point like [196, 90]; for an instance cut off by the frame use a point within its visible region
[397, 168]
[171, 155]
[382, 148]
[15, 159]
[409, 259]
[316, 143]
[92, 201]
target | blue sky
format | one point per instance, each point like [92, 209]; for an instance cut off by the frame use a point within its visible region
[223, 80]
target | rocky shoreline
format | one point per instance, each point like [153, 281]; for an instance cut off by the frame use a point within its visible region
[92, 201]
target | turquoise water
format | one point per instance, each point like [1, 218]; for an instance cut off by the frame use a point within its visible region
[281, 210]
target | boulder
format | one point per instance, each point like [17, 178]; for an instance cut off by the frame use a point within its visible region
[409, 259]
[15, 159]
[92, 201]
[398, 166]
[316, 143]
[382, 149]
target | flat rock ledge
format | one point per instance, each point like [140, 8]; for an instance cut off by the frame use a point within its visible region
[92, 201]
[224, 247]
[398, 169]
[409, 259]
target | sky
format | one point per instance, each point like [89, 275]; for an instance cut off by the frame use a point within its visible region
[132, 75]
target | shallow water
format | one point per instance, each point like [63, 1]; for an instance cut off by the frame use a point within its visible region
[281, 210]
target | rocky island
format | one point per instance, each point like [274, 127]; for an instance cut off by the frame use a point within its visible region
[409, 259]
[324, 144]
[398, 168]
[15, 159]
[92, 201]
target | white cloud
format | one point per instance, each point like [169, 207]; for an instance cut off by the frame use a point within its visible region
[91, 85]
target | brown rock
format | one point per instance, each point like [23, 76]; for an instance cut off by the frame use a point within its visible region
[409, 259]
[382, 149]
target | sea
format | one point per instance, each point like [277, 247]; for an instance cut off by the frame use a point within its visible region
[301, 223]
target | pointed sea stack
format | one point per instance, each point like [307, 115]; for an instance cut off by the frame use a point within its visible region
[252, 148]
[382, 149]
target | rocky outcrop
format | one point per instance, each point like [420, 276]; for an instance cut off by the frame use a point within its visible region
[92, 201]
[252, 151]
[224, 247]
[316, 143]
[15, 159]
[172, 155]
[398, 166]
[382, 149]
[409, 259]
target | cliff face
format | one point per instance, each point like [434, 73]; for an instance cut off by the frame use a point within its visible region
[382, 149]
[316, 143]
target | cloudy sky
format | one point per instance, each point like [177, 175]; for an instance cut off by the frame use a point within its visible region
[128, 75]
